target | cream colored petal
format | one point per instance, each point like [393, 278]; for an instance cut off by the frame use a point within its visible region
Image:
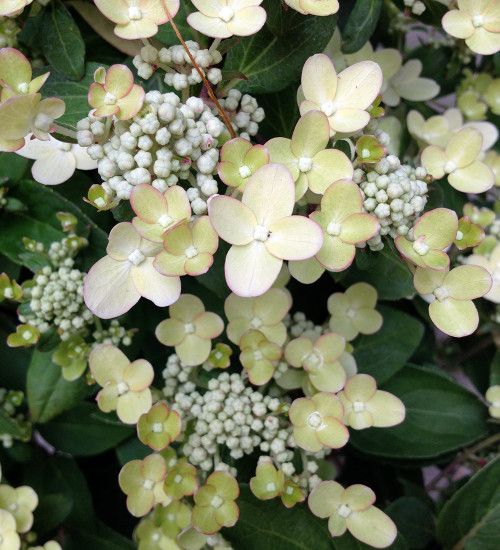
[347, 120]
[358, 85]
[306, 271]
[161, 290]
[456, 318]
[54, 167]
[433, 160]
[386, 409]
[372, 527]
[247, 21]
[193, 350]
[458, 24]
[209, 26]
[294, 238]
[319, 79]
[311, 134]
[232, 220]
[464, 147]
[484, 42]
[475, 178]
[329, 166]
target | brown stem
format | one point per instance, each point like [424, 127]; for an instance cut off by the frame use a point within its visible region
[200, 72]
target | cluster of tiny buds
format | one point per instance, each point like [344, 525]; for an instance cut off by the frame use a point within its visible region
[396, 194]
[180, 72]
[115, 334]
[9, 401]
[9, 29]
[57, 299]
[298, 324]
[175, 374]
[235, 416]
[159, 146]
[417, 7]
[243, 112]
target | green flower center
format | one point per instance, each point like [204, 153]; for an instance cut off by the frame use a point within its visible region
[344, 511]
[134, 13]
[216, 502]
[191, 252]
[136, 257]
[164, 220]
[305, 164]
[314, 420]
[261, 233]
[329, 108]
[157, 427]
[109, 99]
[333, 229]
[226, 14]
[244, 171]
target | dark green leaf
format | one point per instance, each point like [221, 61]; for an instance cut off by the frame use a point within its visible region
[360, 24]
[132, 449]
[123, 212]
[471, 519]
[282, 112]
[272, 62]
[215, 279]
[47, 391]
[74, 94]
[414, 521]
[166, 33]
[51, 511]
[268, 525]
[387, 266]
[441, 416]
[384, 353]
[62, 43]
[495, 370]
[12, 166]
[13, 427]
[100, 537]
[83, 431]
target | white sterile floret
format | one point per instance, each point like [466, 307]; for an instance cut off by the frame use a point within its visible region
[143, 159]
[214, 75]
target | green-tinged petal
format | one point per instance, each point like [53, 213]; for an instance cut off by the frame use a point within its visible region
[119, 80]
[186, 308]
[107, 363]
[226, 485]
[294, 238]
[234, 151]
[475, 178]
[358, 228]
[132, 405]
[372, 527]
[458, 24]
[256, 157]
[204, 236]
[123, 240]
[232, 220]
[154, 286]
[484, 42]
[319, 79]
[311, 135]
[299, 411]
[456, 318]
[358, 85]
[272, 306]
[439, 227]
[131, 104]
[361, 387]
[116, 11]
[229, 173]
[261, 372]
[342, 199]
[236, 307]
[362, 295]
[336, 525]
[251, 270]
[325, 498]
[140, 501]
[170, 265]
[130, 476]
[203, 519]
[227, 514]
[348, 120]
[407, 250]
[336, 255]
[37, 83]
[148, 203]
[307, 439]
[329, 378]
[208, 325]
[467, 282]
[15, 69]
[143, 28]
[193, 350]
[199, 264]
[358, 420]
[436, 259]
[178, 239]
[329, 166]
[328, 405]
[17, 115]
[170, 332]
[331, 346]
[138, 375]
[433, 159]
[280, 152]
[237, 328]
[358, 497]
[386, 409]
[326, 7]
[427, 280]
[154, 467]
[107, 398]
[367, 320]
[464, 147]
[297, 350]
[306, 271]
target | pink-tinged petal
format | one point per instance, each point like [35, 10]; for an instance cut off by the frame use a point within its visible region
[297, 350]
[178, 203]
[250, 270]
[270, 194]
[336, 255]
[208, 325]
[325, 498]
[436, 259]
[132, 405]
[204, 236]
[209, 26]
[170, 332]
[234, 151]
[475, 178]
[256, 157]
[319, 79]
[162, 291]
[307, 439]
[456, 318]
[178, 240]
[187, 308]
[134, 29]
[358, 85]
[107, 398]
[464, 147]
[348, 120]
[11, 145]
[467, 282]
[360, 387]
[434, 159]
[17, 115]
[300, 410]
[372, 527]
[203, 520]
[123, 240]
[115, 10]
[331, 346]
[15, 68]
[358, 228]
[106, 110]
[386, 409]
[199, 264]
[280, 152]
[491, 17]
[107, 363]
[193, 350]
[272, 306]
[329, 166]
[109, 290]
[311, 134]
[305, 106]
[37, 83]
[54, 168]
[442, 218]
[406, 249]
[427, 280]
[229, 174]
[232, 220]
[131, 104]
[247, 21]
[139, 375]
[119, 81]
[306, 271]
[332, 433]
[294, 238]
[458, 24]
[227, 514]
[330, 377]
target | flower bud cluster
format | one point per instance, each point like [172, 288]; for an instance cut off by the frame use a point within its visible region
[160, 146]
[243, 112]
[10, 400]
[57, 299]
[180, 72]
[115, 334]
[233, 415]
[395, 193]
[417, 6]
[9, 29]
